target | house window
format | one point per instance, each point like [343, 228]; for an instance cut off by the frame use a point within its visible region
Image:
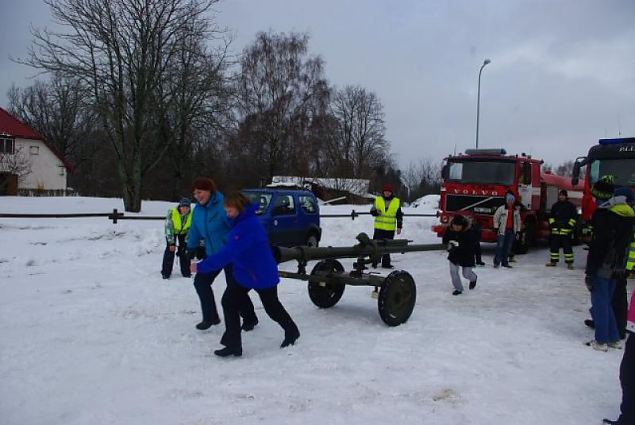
[34, 150]
[7, 145]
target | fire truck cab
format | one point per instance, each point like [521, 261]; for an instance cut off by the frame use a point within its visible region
[475, 183]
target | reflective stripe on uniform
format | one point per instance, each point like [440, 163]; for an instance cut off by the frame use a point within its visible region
[630, 262]
[387, 220]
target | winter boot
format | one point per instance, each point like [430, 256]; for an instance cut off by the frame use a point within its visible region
[207, 324]
[290, 338]
[249, 325]
[473, 283]
[597, 346]
[457, 292]
[551, 264]
[570, 266]
[227, 351]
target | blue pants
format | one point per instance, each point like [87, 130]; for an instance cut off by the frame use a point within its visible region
[602, 310]
[503, 245]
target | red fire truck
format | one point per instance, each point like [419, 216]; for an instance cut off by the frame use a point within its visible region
[614, 157]
[475, 183]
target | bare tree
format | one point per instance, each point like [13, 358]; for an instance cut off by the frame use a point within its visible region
[16, 163]
[122, 50]
[58, 110]
[565, 169]
[281, 91]
[422, 177]
[359, 142]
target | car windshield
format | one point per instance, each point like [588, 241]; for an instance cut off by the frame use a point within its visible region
[622, 169]
[483, 172]
[259, 198]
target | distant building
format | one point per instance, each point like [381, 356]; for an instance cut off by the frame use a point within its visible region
[342, 191]
[28, 164]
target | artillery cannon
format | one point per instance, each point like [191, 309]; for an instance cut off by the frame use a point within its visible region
[327, 280]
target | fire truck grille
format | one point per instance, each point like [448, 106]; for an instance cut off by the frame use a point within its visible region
[476, 204]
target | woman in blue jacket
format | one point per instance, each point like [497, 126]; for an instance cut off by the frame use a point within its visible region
[247, 250]
[210, 224]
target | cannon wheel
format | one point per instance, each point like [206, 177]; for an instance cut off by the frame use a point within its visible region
[326, 294]
[397, 298]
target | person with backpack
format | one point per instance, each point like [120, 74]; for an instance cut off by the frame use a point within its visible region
[461, 249]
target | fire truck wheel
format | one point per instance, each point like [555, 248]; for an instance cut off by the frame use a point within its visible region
[327, 293]
[397, 298]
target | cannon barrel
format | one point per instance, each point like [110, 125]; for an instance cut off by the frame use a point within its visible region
[365, 248]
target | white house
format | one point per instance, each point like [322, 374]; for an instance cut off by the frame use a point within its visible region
[28, 164]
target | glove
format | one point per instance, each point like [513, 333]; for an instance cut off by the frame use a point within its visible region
[620, 274]
[452, 245]
[191, 254]
[588, 281]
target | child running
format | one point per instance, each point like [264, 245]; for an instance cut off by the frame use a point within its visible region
[461, 247]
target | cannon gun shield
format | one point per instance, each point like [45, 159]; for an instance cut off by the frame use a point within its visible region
[326, 293]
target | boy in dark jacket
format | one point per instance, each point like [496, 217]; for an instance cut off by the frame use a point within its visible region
[461, 248]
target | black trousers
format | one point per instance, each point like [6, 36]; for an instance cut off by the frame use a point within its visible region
[620, 307]
[627, 381]
[234, 299]
[560, 241]
[203, 284]
[168, 258]
[384, 234]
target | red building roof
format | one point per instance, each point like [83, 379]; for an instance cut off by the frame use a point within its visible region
[11, 126]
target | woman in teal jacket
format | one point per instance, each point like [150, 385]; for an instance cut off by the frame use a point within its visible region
[210, 224]
[253, 267]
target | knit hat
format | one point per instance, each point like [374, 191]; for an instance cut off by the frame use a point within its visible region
[509, 197]
[459, 220]
[387, 188]
[603, 188]
[564, 193]
[204, 183]
[185, 202]
[626, 192]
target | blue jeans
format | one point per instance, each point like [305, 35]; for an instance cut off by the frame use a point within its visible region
[503, 245]
[602, 310]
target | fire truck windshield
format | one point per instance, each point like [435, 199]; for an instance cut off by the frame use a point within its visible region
[481, 172]
[622, 169]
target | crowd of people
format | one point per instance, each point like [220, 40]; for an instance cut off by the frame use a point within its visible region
[235, 242]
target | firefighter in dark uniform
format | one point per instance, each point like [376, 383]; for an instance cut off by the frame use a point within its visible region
[562, 221]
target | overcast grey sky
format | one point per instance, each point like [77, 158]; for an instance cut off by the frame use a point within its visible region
[562, 72]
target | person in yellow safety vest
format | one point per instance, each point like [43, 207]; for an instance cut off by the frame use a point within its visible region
[388, 220]
[177, 224]
[562, 221]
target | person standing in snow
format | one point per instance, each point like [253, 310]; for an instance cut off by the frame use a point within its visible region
[210, 224]
[562, 221]
[461, 242]
[627, 374]
[177, 224]
[388, 219]
[506, 225]
[253, 267]
[606, 263]
[475, 228]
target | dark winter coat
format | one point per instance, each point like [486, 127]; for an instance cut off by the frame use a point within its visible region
[210, 223]
[612, 231]
[463, 254]
[248, 250]
[563, 215]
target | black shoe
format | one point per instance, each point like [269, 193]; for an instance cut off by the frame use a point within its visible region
[473, 283]
[457, 292]
[187, 275]
[388, 266]
[249, 325]
[165, 276]
[206, 325]
[507, 266]
[590, 323]
[290, 338]
[227, 351]
[480, 263]
[610, 422]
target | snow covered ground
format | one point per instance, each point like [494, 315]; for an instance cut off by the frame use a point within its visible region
[91, 334]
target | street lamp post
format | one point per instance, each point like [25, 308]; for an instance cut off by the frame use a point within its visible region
[478, 97]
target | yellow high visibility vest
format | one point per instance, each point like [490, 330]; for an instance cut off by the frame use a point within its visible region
[630, 262]
[179, 228]
[387, 220]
